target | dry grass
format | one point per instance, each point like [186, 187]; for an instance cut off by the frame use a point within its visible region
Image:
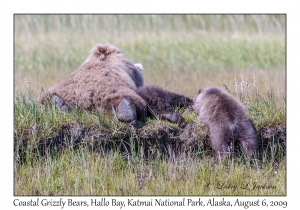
[82, 173]
[189, 82]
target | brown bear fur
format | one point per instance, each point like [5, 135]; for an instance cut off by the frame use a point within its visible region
[102, 81]
[227, 120]
[162, 102]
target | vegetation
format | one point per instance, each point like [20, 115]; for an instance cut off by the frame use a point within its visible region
[243, 53]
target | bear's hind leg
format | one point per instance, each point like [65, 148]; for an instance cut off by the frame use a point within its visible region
[125, 112]
[124, 103]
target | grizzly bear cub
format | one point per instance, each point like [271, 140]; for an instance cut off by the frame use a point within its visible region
[227, 120]
[161, 103]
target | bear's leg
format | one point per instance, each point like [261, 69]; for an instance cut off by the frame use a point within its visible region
[59, 102]
[219, 141]
[125, 112]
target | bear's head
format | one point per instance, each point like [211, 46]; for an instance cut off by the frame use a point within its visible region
[156, 98]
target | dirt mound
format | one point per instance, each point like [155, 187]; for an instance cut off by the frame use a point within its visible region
[185, 139]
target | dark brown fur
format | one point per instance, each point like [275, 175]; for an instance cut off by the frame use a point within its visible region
[162, 102]
[102, 81]
[227, 120]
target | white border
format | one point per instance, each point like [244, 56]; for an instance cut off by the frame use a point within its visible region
[187, 6]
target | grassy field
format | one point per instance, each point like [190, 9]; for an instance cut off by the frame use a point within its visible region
[179, 53]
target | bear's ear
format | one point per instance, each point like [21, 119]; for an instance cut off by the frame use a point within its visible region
[99, 51]
[201, 89]
[139, 67]
[103, 50]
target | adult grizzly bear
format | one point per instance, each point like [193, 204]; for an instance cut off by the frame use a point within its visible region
[162, 102]
[226, 119]
[107, 81]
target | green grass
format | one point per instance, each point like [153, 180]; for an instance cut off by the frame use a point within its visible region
[183, 53]
[180, 53]
[83, 173]
[262, 109]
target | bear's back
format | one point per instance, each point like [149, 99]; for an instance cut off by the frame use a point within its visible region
[106, 57]
[219, 107]
[103, 78]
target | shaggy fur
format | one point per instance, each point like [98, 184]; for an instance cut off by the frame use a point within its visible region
[102, 81]
[162, 102]
[226, 119]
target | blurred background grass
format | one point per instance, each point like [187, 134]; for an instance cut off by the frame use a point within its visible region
[178, 52]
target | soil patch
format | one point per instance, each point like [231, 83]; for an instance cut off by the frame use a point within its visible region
[170, 142]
